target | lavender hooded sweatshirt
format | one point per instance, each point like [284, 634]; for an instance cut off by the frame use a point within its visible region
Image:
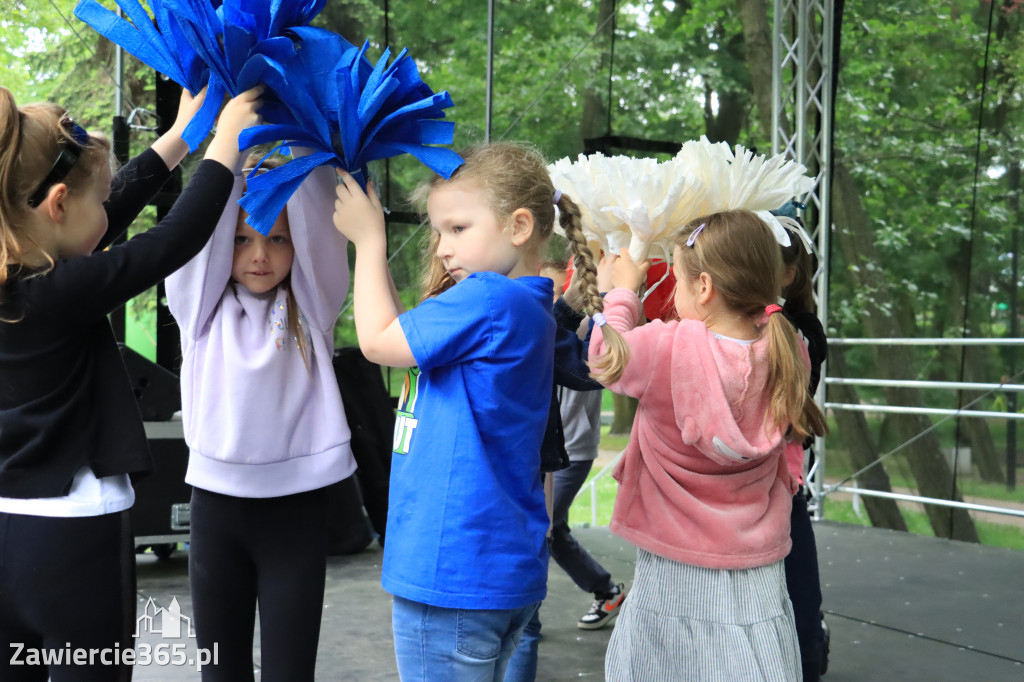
[257, 423]
[702, 481]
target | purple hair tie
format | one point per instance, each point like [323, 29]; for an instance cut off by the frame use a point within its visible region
[558, 195]
[599, 319]
[693, 235]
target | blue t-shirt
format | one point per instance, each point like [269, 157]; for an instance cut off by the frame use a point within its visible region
[466, 519]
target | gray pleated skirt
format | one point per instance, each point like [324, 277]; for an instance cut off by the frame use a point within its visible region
[684, 623]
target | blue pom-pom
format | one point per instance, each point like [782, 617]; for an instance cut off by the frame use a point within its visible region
[203, 42]
[348, 112]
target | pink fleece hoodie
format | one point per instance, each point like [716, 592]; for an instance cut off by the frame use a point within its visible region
[702, 480]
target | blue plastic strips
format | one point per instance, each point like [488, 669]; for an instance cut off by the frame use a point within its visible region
[202, 42]
[322, 91]
[347, 112]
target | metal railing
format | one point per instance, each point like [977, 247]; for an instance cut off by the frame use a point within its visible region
[820, 492]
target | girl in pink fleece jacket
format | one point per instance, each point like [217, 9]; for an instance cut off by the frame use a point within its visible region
[704, 491]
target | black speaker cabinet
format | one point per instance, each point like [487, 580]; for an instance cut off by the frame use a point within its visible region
[160, 516]
[156, 389]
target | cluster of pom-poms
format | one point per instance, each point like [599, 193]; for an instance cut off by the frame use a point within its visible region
[323, 93]
[641, 203]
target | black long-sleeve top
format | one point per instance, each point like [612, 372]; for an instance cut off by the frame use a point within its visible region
[571, 371]
[571, 368]
[808, 324]
[65, 397]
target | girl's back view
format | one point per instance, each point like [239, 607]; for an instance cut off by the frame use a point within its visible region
[704, 489]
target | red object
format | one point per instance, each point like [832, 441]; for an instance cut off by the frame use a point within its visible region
[772, 309]
[657, 306]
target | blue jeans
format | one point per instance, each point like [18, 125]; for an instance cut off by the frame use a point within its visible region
[522, 667]
[584, 569]
[455, 645]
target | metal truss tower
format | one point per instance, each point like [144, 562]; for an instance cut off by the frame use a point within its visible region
[802, 108]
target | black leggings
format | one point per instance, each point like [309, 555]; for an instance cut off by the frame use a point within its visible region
[804, 585]
[271, 551]
[66, 584]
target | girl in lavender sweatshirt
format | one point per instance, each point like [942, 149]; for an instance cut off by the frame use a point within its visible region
[704, 491]
[265, 428]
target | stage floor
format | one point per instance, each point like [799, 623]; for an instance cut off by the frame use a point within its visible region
[900, 607]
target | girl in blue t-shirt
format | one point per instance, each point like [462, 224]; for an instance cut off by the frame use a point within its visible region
[466, 556]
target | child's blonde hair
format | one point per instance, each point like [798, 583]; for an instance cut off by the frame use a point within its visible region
[514, 175]
[31, 139]
[294, 318]
[740, 254]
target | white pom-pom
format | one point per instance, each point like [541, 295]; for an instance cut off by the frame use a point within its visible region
[741, 179]
[641, 203]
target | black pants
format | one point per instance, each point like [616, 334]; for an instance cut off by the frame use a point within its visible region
[804, 585]
[270, 551]
[66, 584]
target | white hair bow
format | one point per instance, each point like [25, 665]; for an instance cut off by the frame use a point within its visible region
[781, 226]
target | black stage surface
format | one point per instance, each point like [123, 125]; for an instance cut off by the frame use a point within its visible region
[900, 606]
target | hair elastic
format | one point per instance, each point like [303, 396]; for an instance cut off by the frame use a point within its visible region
[558, 196]
[599, 319]
[772, 309]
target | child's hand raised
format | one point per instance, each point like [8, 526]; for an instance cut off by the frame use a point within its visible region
[357, 214]
[170, 146]
[187, 108]
[627, 274]
[238, 114]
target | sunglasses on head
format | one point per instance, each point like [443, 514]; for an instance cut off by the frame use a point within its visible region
[66, 160]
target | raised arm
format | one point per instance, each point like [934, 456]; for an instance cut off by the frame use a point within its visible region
[358, 216]
[169, 146]
[194, 290]
[102, 281]
[624, 311]
[141, 178]
[320, 274]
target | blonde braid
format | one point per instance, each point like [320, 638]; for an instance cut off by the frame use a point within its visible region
[583, 259]
[609, 367]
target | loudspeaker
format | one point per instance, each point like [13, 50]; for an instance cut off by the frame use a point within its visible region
[156, 389]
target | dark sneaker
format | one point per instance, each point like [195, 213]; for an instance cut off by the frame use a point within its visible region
[604, 610]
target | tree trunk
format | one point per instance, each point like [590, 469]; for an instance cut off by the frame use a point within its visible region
[859, 443]
[975, 430]
[625, 411]
[855, 239]
[594, 120]
[757, 40]
[983, 451]
[729, 121]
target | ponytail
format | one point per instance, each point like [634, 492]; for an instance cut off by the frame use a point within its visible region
[10, 134]
[612, 363]
[790, 401]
